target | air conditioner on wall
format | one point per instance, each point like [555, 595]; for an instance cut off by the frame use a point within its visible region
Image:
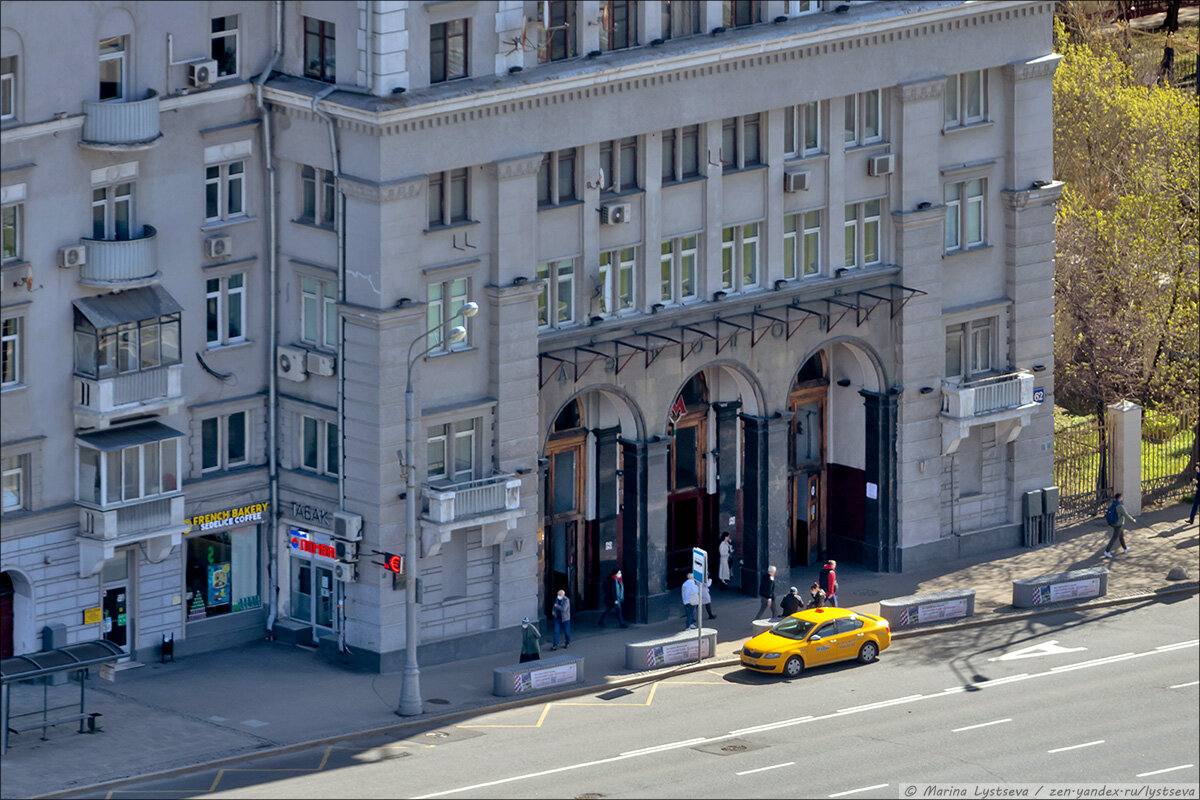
[290, 363]
[615, 213]
[320, 363]
[344, 572]
[881, 165]
[796, 180]
[347, 526]
[219, 246]
[202, 73]
[74, 255]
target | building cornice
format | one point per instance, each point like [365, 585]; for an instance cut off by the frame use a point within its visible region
[1042, 67]
[380, 191]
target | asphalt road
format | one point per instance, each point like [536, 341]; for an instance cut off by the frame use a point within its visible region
[1108, 695]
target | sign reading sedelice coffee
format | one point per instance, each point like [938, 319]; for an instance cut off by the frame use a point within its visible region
[255, 512]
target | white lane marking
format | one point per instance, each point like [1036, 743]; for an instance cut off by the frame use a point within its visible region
[1001, 681]
[1161, 771]
[863, 789]
[659, 747]
[881, 704]
[800, 721]
[1096, 661]
[1049, 648]
[982, 725]
[1075, 746]
[764, 769]
[1183, 685]
[770, 726]
[1188, 643]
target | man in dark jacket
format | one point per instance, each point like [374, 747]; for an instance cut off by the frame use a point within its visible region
[614, 595]
[828, 581]
[766, 592]
[791, 603]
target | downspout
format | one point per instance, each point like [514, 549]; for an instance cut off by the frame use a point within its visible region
[273, 333]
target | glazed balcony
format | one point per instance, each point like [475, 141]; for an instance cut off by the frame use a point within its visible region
[492, 503]
[1005, 400]
[113, 125]
[98, 401]
[123, 263]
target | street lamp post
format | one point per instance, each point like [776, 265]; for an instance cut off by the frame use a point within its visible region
[410, 687]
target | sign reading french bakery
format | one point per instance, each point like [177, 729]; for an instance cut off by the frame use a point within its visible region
[228, 518]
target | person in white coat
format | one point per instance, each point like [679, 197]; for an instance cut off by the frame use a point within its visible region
[725, 551]
[706, 598]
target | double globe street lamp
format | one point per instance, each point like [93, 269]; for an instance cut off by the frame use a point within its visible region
[410, 687]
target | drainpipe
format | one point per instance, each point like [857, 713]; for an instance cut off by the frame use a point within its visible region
[273, 333]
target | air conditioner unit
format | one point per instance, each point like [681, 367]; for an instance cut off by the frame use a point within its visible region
[320, 364]
[347, 526]
[345, 551]
[796, 180]
[72, 256]
[219, 246]
[881, 165]
[615, 213]
[344, 572]
[202, 73]
[290, 363]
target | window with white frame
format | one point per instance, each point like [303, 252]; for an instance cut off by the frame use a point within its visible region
[862, 234]
[802, 244]
[225, 310]
[318, 312]
[317, 196]
[11, 367]
[619, 173]
[618, 24]
[112, 212]
[448, 197]
[128, 347]
[8, 87]
[971, 348]
[556, 30]
[556, 296]
[864, 118]
[223, 441]
[319, 446]
[445, 299]
[616, 281]
[740, 143]
[225, 191]
[736, 13]
[450, 451]
[739, 257]
[112, 67]
[964, 214]
[797, 7]
[13, 216]
[680, 153]
[556, 178]
[15, 482]
[224, 48]
[448, 45]
[678, 269]
[802, 130]
[681, 18]
[966, 98]
[139, 472]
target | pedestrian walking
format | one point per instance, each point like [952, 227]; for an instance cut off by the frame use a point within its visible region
[530, 641]
[562, 619]
[614, 596]
[791, 603]
[1196, 492]
[690, 592]
[725, 552]
[706, 598]
[817, 597]
[766, 592]
[1116, 516]
[828, 582]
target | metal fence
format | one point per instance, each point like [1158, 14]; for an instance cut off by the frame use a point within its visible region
[1081, 468]
[1169, 448]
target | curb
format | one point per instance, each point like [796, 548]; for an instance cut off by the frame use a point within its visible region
[437, 720]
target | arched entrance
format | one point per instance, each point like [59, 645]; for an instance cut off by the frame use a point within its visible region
[6, 615]
[689, 505]
[566, 548]
[806, 462]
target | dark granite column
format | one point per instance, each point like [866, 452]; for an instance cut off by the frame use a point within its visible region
[607, 533]
[753, 551]
[727, 504]
[644, 538]
[879, 523]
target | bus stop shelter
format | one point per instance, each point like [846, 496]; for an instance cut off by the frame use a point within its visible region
[75, 659]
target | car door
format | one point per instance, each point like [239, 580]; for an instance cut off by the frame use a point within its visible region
[821, 643]
[850, 636]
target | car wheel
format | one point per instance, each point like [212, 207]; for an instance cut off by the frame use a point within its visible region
[868, 653]
[793, 667]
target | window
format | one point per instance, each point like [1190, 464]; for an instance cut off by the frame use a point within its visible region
[964, 214]
[802, 130]
[448, 197]
[319, 446]
[681, 18]
[618, 24]
[740, 142]
[739, 257]
[112, 212]
[222, 573]
[971, 348]
[966, 98]
[448, 51]
[112, 68]
[445, 299]
[125, 348]
[802, 244]
[556, 298]
[15, 483]
[736, 13]
[8, 87]
[10, 352]
[616, 280]
[225, 191]
[864, 117]
[317, 196]
[680, 153]
[319, 37]
[797, 7]
[450, 451]
[13, 216]
[862, 234]
[225, 45]
[556, 178]
[556, 30]
[619, 174]
[318, 312]
[225, 310]
[134, 473]
[223, 441]
[678, 262]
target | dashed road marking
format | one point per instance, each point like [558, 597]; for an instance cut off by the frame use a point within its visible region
[1161, 771]
[981, 725]
[863, 789]
[1075, 746]
[764, 769]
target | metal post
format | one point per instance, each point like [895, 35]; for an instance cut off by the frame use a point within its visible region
[410, 688]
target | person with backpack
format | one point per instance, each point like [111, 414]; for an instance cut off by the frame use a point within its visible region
[828, 582]
[1116, 517]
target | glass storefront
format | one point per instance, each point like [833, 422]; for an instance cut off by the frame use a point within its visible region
[222, 573]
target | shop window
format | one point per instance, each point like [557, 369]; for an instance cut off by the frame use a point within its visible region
[222, 573]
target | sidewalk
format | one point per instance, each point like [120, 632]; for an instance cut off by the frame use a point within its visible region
[268, 695]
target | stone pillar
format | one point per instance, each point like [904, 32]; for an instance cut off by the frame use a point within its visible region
[607, 507]
[644, 542]
[1124, 421]
[764, 499]
[879, 518]
[727, 446]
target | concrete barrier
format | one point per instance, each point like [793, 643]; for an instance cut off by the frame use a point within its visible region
[679, 648]
[1077, 584]
[533, 676]
[915, 609]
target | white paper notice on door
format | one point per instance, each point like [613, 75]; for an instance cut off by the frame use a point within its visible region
[872, 491]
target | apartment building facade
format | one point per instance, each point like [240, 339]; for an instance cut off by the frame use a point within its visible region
[776, 269]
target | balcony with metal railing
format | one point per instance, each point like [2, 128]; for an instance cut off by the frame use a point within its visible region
[124, 263]
[1005, 400]
[492, 504]
[98, 401]
[121, 126]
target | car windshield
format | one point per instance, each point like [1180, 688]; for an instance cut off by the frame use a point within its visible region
[793, 628]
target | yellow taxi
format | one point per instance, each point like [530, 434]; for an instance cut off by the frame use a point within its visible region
[817, 636]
